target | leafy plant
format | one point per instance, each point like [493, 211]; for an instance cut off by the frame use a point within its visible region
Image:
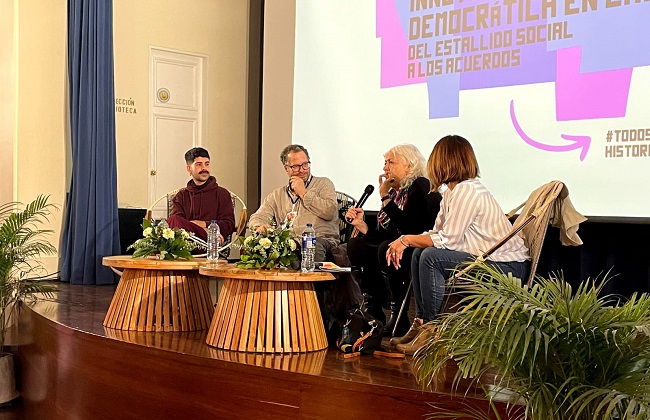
[168, 243]
[267, 249]
[21, 244]
[565, 354]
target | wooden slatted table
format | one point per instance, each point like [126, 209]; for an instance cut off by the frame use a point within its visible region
[267, 311]
[159, 295]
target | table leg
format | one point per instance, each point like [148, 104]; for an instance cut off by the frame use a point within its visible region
[160, 300]
[267, 316]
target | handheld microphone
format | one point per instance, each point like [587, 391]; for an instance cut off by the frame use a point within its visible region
[366, 193]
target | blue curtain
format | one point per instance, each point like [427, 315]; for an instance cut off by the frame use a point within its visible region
[91, 229]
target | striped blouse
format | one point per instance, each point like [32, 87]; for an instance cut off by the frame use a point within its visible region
[470, 220]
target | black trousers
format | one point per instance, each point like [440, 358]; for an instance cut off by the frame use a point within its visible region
[383, 283]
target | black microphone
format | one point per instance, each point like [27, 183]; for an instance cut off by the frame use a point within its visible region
[366, 193]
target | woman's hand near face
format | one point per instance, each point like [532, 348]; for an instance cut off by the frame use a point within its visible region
[385, 184]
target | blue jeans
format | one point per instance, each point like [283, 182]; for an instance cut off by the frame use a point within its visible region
[430, 269]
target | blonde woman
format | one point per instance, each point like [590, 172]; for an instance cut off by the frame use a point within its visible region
[407, 207]
[470, 221]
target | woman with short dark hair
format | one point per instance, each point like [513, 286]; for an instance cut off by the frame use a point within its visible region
[469, 223]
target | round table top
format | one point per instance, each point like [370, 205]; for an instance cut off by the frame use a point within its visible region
[127, 261]
[231, 271]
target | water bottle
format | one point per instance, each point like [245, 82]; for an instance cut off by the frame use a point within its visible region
[213, 242]
[308, 249]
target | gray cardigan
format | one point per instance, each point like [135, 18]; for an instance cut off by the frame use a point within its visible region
[317, 207]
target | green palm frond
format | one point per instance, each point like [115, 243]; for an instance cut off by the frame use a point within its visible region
[570, 354]
[22, 242]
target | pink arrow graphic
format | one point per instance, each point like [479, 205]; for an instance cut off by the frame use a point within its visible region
[577, 141]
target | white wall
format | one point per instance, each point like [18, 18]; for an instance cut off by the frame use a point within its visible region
[277, 90]
[40, 136]
[7, 100]
[34, 143]
[215, 28]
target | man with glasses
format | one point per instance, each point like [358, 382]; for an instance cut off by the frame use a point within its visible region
[311, 199]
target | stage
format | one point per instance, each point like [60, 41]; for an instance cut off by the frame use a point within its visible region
[70, 366]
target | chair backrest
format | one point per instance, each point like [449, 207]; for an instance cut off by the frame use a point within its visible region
[535, 217]
[162, 206]
[344, 202]
[531, 224]
[238, 205]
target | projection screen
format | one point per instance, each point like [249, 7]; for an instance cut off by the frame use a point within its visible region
[543, 90]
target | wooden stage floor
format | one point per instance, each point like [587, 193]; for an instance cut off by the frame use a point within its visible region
[71, 366]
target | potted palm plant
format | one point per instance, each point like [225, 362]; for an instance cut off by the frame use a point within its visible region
[22, 242]
[559, 353]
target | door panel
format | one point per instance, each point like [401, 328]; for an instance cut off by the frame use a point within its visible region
[176, 118]
[178, 135]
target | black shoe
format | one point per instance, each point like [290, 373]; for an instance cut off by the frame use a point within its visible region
[388, 330]
[371, 307]
[402, 326]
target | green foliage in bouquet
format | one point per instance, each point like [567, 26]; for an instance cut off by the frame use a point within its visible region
[163, 241]
[268, 249]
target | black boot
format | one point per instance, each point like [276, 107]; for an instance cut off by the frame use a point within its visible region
[388, 330]
[374, 308]
[397, 291]
[403, 325]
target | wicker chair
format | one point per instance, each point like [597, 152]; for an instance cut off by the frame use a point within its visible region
[542, 206]
[237, 204]
[344, 202]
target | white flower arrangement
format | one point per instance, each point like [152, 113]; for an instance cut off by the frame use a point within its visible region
[268, 249]
[161, 240]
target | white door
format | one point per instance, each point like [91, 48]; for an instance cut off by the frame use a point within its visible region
[177, 122]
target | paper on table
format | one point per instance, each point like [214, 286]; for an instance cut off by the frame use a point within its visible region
[330, 266]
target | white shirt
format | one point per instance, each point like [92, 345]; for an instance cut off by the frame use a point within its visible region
[470, 220]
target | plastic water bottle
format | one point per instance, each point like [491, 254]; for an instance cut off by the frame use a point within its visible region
[308, 249]
[213, 242]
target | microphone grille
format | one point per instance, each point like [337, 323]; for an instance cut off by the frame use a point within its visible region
[369, 189]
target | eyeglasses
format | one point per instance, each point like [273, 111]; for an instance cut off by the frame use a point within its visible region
[296, 168]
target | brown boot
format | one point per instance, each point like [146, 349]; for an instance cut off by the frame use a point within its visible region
[410, 335]
[424, 336]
